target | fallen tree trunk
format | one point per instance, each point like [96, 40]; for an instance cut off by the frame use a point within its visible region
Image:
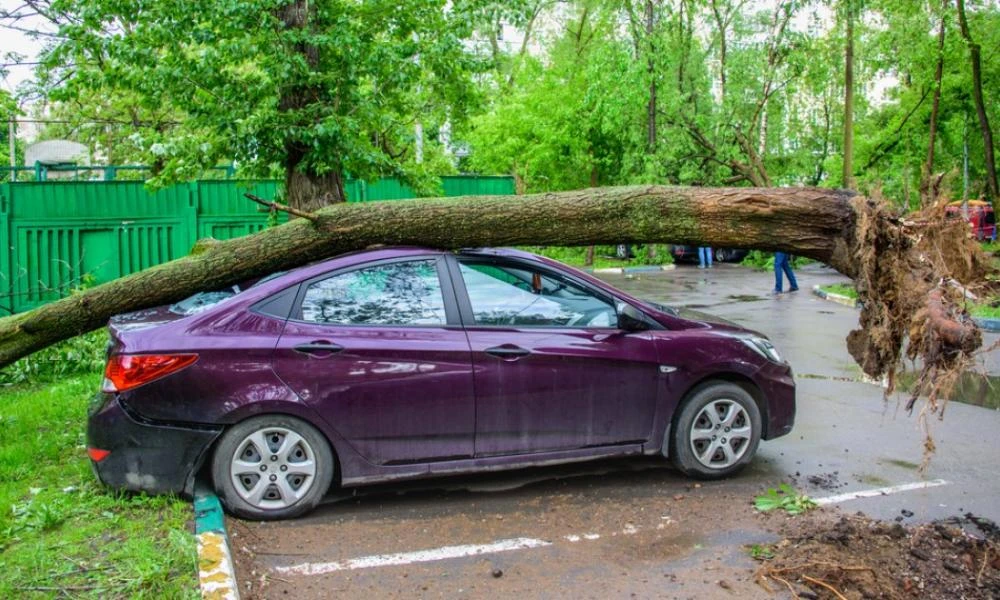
[855, 235]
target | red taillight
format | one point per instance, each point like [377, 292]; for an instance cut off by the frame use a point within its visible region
[97, 455]
[126, 371]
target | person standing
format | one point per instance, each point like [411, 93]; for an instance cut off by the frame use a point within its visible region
[704, 257]
[783, 264]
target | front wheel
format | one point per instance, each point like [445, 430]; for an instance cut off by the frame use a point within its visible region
[272, 467]
[717, 431]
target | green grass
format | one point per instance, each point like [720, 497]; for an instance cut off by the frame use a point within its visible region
[991, 247]
[61, 533]
[841, 289]
[989, 309]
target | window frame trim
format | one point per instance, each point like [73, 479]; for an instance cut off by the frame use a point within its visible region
[465, 304]
[451, 309]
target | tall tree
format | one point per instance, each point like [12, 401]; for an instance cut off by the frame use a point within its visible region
[847, 178]
[928, 191]
[975, 57]
[312, 90]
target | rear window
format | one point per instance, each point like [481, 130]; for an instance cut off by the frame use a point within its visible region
[202, 301]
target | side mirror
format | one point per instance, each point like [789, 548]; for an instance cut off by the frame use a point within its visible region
[630, 318]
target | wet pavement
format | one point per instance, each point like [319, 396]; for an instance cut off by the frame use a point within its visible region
[636, 528]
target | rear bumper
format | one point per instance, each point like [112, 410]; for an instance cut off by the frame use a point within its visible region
[778, 386]
[145, 456]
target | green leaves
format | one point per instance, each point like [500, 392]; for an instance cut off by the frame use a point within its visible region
[784, 498]
[319, 86]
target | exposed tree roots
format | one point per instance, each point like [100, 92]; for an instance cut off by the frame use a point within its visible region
[913, 277]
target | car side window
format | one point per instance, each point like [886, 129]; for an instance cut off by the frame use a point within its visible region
[399, 293]
[518, 295]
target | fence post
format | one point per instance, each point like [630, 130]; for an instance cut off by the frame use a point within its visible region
[6, 276]
[193, 213]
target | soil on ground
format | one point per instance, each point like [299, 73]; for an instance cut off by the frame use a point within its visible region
[826, 555]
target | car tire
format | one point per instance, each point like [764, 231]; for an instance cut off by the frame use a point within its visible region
[272, 467]
[722, 255]
[726, 411]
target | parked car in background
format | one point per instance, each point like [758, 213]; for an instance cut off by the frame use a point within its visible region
[404, 363]
[690, 254]
[981, 218]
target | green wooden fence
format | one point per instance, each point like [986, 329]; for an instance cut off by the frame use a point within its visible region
[54, 235]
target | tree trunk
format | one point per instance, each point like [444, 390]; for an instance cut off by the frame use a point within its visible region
[304, 189]
[810, 222]
[308, 192]
[895, 274]
[977, 94]
[651, 72]
[848, 173]
[927, 195]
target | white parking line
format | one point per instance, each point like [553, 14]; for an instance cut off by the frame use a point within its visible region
[405, 558]
[446, 552]
[883, 491]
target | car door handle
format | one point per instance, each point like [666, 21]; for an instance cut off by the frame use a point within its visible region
[318, 348]
[507, 352]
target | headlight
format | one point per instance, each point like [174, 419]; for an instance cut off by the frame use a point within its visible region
[763, 347]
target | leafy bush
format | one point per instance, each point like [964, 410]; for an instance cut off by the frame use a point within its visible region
[764, 261]
[604, 255]
[759, 260]
[76, 356]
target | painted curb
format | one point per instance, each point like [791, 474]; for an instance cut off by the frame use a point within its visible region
[991, 325]
[987, 324]
[629, 270]
[216, 574]
[838, 298]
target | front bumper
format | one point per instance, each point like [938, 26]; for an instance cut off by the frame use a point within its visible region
[777, 383]
[145, 456]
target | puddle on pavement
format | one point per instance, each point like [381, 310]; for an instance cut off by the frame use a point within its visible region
[972, 388]
[670, 547]
[744, 297]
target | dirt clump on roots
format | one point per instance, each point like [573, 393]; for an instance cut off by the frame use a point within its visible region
[914, 275]
[854, 557]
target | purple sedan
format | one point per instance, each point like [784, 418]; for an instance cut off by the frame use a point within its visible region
[403, 363]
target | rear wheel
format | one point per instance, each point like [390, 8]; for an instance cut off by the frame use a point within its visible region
[272, 467]
[717, 431]
[722, 255]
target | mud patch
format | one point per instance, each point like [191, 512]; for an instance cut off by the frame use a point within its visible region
[744, 297]
[905, 464]
[822, 556]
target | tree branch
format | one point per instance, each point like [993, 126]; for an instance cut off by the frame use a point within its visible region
[272, 205]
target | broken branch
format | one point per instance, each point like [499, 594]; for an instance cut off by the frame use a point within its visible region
[272, 205]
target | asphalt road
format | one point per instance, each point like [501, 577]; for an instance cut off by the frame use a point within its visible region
[638, 528]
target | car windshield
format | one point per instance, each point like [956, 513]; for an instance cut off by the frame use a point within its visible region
[201, 301]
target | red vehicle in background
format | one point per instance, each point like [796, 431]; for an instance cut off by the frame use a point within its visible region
[981, 218]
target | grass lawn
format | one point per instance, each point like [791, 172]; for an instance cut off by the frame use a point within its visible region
[841, 289]
[61, 533]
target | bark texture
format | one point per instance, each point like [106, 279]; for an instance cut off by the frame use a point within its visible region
[902, 268]
[817, 223]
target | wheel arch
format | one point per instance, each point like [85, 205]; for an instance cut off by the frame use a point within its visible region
[204, 470]
[739, 379]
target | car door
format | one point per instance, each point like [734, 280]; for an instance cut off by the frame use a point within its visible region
[552, 370]
[378, 350]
